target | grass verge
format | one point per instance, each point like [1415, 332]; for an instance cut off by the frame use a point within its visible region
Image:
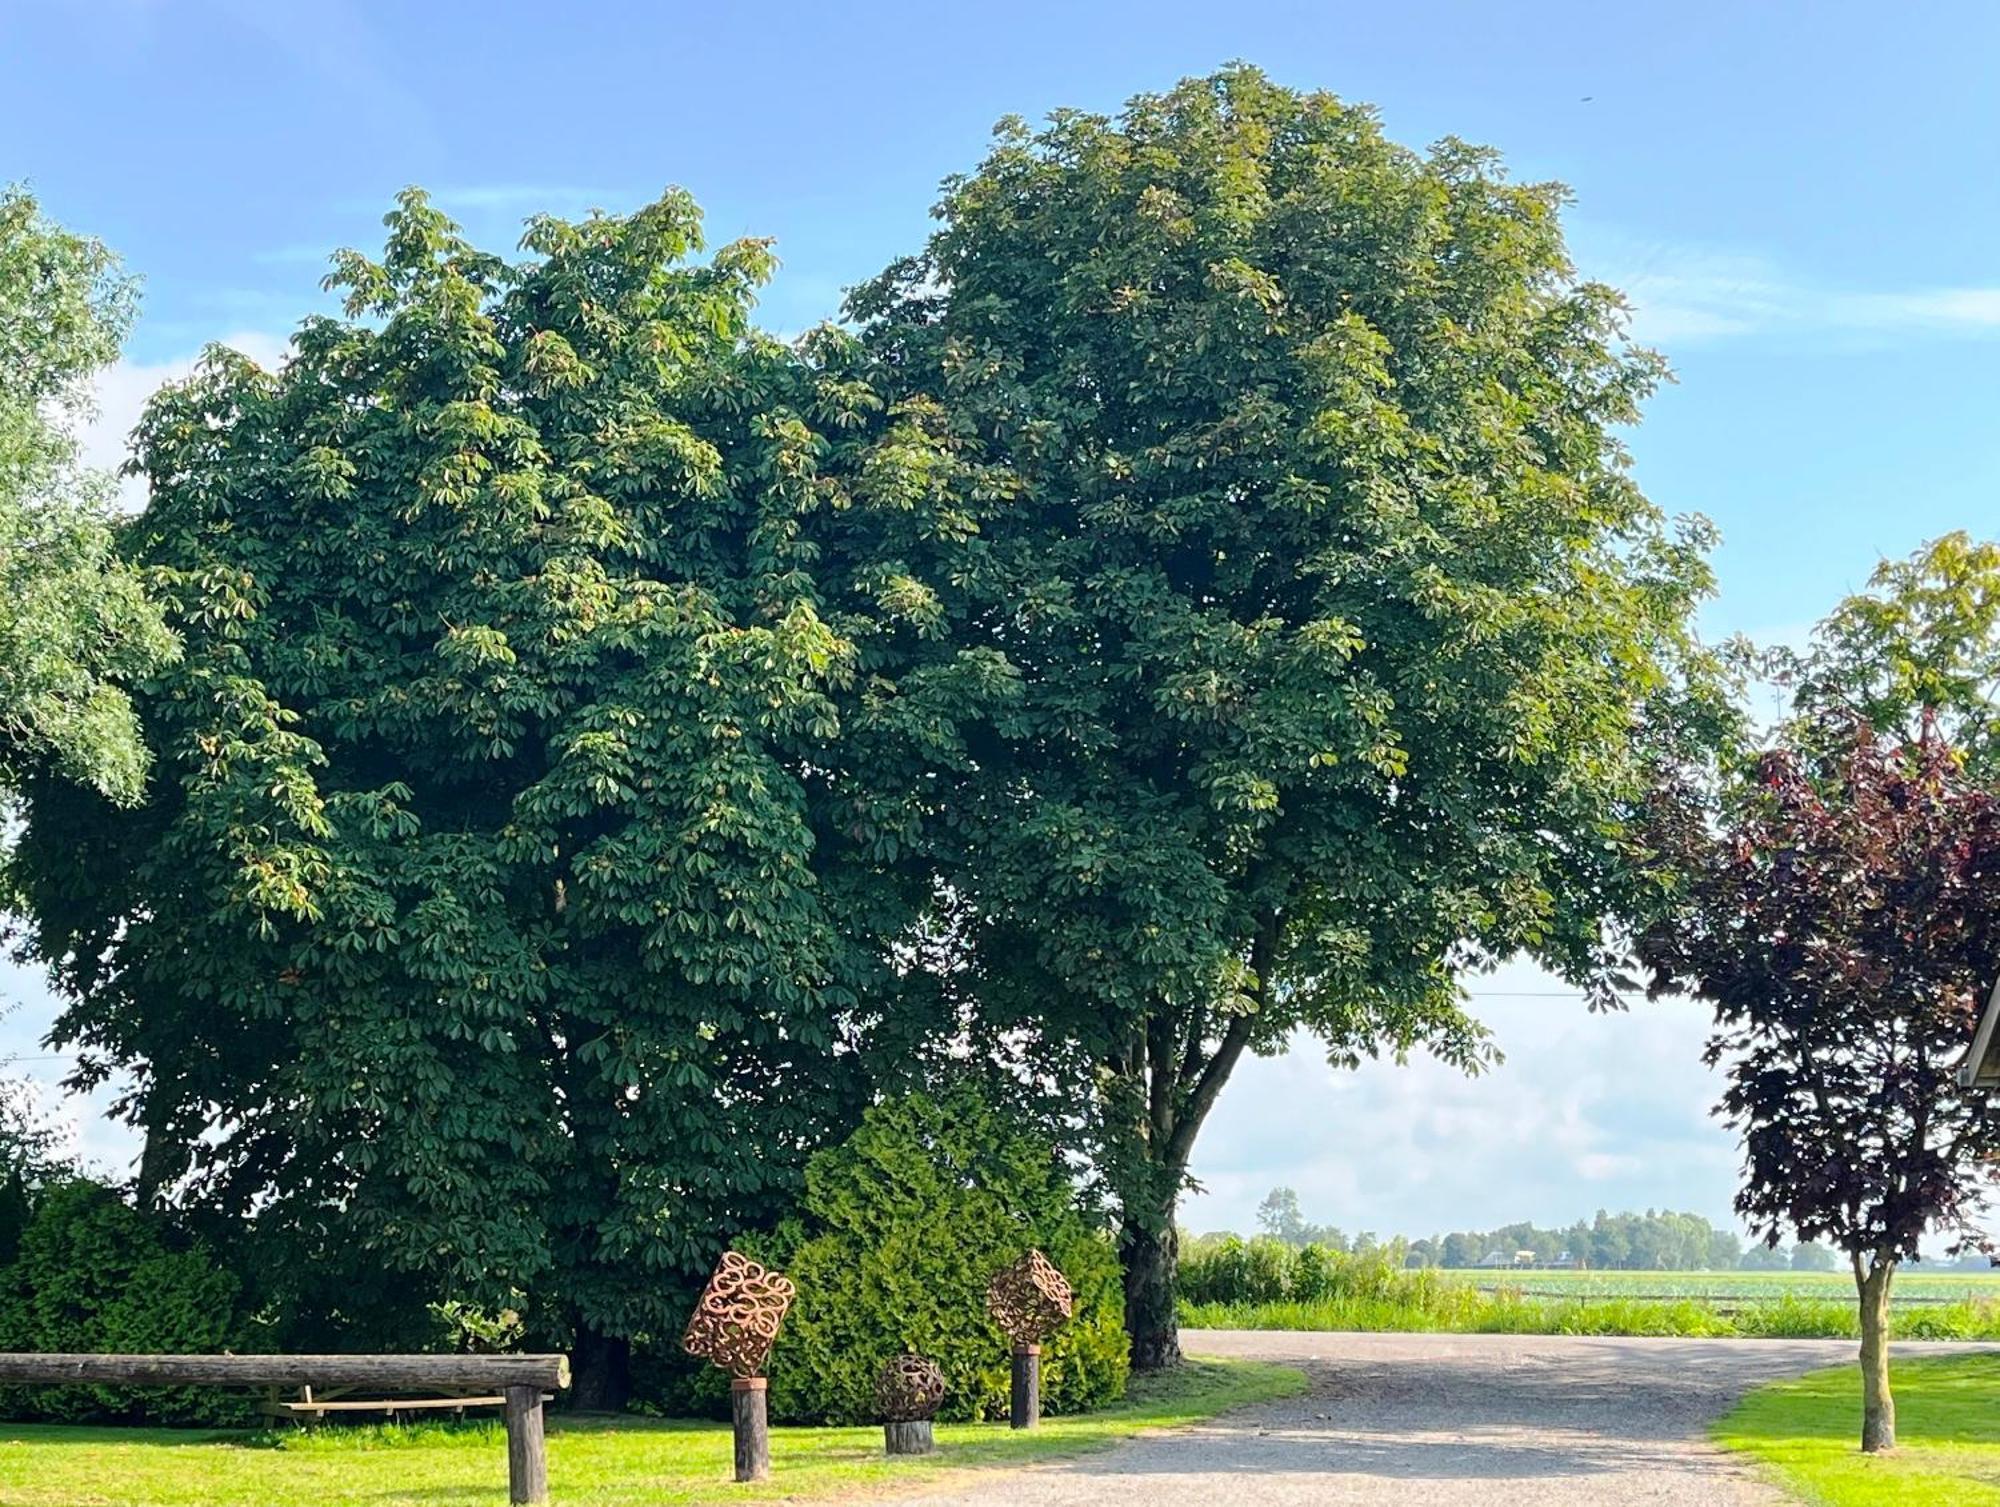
[602, 1463]
[1807, 1433]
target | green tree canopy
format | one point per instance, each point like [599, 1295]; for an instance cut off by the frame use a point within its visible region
[502, 906]
[73, 619]
[1923, 638]
[1330, 637]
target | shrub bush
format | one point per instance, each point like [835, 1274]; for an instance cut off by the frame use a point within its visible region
[898, 1233]
[94, 1274]
[1234, 1271]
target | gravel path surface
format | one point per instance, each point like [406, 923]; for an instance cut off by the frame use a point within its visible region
[1444, 1420]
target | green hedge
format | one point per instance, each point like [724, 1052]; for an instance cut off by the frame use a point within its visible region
[1236, 1271]
[897, 1235]
[94, 1274]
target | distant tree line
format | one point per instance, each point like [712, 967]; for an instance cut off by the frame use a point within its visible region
[1657, 1240]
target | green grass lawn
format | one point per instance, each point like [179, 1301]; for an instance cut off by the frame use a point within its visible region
[1947, 1433]
[599, 1462]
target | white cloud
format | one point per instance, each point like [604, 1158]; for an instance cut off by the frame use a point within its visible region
[1686, 295]
[1587, 1112]
[523, 196]
[84, 1121]
[120, 394]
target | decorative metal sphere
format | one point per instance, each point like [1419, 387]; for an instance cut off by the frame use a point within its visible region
[909, 1389]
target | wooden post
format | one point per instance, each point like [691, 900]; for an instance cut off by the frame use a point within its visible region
[527, 1450]
[748, 1414]
[1024, 1409]
[908, 1437]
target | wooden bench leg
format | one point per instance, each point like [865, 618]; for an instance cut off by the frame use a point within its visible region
[527, 1449]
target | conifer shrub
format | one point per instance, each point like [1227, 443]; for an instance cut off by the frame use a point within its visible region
[94, 1274]
[897, 1235]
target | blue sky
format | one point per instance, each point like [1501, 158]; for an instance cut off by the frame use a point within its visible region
[1797, 196]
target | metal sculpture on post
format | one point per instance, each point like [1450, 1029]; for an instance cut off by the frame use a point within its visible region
[908, 1393]
[1028, 1300]
[734, 1326]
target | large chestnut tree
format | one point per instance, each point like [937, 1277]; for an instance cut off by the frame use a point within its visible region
[1330, 638]
[504, 908]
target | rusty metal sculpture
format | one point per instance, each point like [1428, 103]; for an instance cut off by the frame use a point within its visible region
[734, 1326]
[1029, 1299]
[737, 1320]
[909, 1389]
[908, 1392]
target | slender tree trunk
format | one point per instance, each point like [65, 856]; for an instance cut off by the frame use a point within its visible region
[1149, 1250]
[1173, 1077]
[601, 1371]
[159, 1153]
[1878, 1408]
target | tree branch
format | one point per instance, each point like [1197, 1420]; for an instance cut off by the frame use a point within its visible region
[1201, 1098]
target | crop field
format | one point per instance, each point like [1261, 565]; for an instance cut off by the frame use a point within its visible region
[1723, 1290]
[1716, 1305]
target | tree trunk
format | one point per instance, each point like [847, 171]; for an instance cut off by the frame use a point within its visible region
[1878, 1408]
[602, 1365]
[1170, 1083]
[1149, 1250]
[159, 1154]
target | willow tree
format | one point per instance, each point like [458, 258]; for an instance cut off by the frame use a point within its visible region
[1327, 636]
[492, 914]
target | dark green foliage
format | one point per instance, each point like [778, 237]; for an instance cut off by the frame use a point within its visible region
[901, 1228]
[95, 1274]
[506, 879]
[319, 1292]
[1207, 601]
[1338, 639]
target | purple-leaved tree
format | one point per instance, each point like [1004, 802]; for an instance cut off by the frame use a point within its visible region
[1841, 911]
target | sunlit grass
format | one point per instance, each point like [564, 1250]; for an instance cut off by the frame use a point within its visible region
[1807, 1433]
[590, 1461]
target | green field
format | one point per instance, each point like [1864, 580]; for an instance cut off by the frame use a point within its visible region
[621, 1463]
[1709, 1305]
[1947, 1435]
[1913, 1287]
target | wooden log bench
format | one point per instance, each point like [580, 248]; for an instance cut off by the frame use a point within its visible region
[313, 1406]
[518, 1383]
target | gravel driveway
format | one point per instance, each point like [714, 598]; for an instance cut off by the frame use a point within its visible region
[1444, 1420]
